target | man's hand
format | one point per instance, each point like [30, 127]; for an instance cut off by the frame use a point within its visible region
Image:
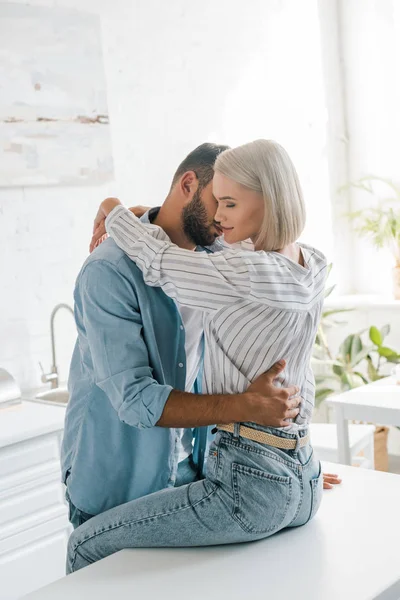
[272, 406]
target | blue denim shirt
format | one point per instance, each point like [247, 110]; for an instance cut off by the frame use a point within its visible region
[129, 355]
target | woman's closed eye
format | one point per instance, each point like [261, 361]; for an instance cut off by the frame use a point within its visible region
[226, 204]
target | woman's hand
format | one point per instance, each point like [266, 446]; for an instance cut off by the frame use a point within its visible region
[99, 226]
[140, 210]
[104, 210]
[99, 230]
[330, 479]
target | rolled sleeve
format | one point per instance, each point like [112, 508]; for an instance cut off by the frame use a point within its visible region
[144, 398]
[112, 326]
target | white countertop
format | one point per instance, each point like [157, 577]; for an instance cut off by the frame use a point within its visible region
[19, 422]
[348, 552]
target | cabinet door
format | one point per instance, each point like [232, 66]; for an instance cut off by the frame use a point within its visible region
[38, 563]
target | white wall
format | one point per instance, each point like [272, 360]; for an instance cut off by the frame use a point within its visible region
[178, 74]
[370, 35]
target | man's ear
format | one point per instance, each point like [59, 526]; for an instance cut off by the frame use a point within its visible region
[188, 185]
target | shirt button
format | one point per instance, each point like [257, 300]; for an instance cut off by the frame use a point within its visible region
[181, 327]
[180, 365]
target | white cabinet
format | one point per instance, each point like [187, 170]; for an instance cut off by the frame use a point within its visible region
[34, 526]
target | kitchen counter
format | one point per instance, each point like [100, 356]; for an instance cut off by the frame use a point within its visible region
[26, 420]
[348, 552]
[34, 527]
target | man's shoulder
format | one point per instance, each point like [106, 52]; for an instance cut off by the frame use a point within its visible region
[108, 257]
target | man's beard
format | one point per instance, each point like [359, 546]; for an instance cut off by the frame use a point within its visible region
[195, 222]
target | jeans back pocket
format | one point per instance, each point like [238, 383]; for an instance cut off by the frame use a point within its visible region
[261, 499]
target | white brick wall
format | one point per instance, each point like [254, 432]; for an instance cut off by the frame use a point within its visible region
[178, 74]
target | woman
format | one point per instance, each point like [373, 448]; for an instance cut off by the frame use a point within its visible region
[259, 307]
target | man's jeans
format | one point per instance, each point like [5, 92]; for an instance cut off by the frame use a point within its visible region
[251, 491]
[186, 473]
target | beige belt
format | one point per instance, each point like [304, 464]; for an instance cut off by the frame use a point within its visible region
[265, 438]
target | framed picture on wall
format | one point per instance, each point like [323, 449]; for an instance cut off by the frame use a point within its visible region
[54, 124]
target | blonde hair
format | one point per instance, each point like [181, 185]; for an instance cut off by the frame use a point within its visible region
[265, 167]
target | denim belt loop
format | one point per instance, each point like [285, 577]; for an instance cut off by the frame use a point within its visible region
[298, 439]
[236, 430]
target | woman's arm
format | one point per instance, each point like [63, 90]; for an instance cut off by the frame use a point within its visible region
[197, 279]
[209, 281]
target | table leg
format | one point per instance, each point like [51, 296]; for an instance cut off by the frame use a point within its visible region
[370, 453]
[342, 425]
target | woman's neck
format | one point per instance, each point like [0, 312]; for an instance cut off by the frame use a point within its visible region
[293, 251]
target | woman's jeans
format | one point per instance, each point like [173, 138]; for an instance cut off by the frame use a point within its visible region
[186, 473]
[251, 491]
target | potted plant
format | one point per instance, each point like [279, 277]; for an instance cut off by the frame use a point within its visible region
[362, 358]
[381, 223]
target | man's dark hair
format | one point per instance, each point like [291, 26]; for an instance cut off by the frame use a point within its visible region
[201, 160]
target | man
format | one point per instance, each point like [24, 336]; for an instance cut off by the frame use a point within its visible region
[129, 421]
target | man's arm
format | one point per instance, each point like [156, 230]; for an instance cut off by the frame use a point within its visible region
[263, 403]
[112, 328]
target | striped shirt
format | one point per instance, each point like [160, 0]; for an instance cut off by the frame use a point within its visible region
[259, 307]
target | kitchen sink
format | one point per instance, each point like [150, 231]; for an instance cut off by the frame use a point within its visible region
[56, 396]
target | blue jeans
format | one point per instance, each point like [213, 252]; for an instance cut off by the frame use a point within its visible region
[186, 473]
[251, 491]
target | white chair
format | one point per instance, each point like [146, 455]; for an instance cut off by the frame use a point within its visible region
[361, 437]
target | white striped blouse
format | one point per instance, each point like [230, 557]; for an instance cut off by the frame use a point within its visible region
[259, 307]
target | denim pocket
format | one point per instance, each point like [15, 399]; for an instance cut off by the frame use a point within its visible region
[261, 499]
[317, 485]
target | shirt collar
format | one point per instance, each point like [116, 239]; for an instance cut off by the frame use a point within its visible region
[150, 215]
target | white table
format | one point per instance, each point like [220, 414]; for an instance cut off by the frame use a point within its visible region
[377, 402]
[348, 552]
[324, 440]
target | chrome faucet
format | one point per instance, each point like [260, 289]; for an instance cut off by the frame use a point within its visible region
[52, 377]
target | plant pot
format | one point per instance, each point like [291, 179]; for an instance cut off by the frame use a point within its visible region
[380, 448]
[396, 282]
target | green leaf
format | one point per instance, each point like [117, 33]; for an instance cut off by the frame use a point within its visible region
[386, 352]
[345, 348]
[364, 353]
[335, 311]
[375, 336]
[329, 290]
[372, 372]
[338, 370]
[394, 358]
[361, 376]
[385, 331]
[346, 381]
[356, 348]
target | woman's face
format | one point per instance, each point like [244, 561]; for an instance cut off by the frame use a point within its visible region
[240, 210]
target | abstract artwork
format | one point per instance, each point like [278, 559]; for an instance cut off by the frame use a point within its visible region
[54, 127]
